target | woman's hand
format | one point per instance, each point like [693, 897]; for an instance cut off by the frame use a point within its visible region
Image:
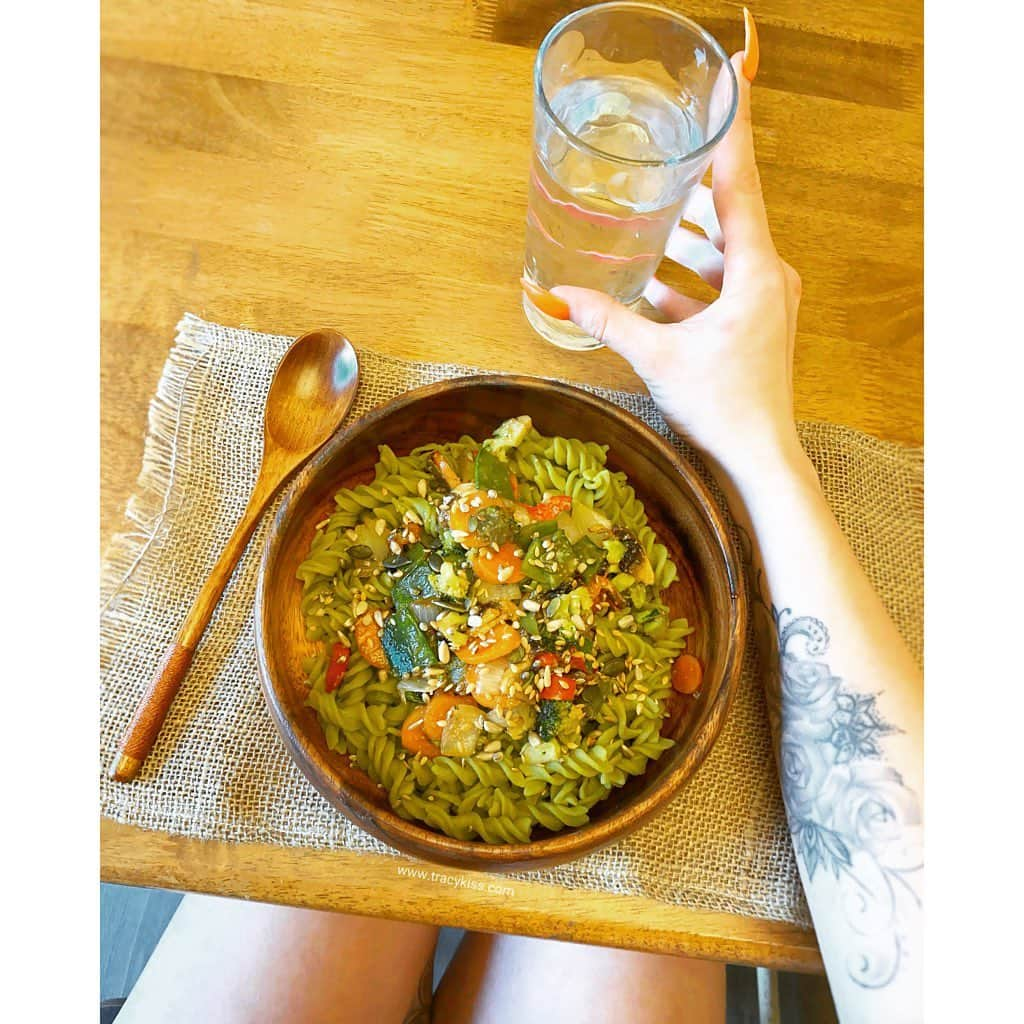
[722, 374]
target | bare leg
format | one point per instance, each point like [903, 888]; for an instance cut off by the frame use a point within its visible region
[251, 963]
[504, 979]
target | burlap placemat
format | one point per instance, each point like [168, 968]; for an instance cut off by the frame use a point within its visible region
[219, 770]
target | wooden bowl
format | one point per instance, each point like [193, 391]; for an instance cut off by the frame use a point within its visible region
[709, 593]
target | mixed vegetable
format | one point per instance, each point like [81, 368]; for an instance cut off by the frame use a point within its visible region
[491, 629]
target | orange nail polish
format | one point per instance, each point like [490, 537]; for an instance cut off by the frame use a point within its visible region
[547, 303]
[751, 49]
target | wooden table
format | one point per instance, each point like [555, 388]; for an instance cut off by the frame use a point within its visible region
[283, 164]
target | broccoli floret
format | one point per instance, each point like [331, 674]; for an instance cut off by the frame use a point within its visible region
[448, 581]
[449, 545]
[511, 434]
[549, 717]
[494, 524]
[559, 719]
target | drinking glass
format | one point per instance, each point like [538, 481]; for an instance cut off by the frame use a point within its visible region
[630, 101]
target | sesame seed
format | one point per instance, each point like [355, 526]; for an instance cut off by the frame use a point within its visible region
[422, 488]
[530, 605]
[444, 653]
[360, 607]
[626, 620]
[577, 621]
[380, 526]
[476, 502]
[473, 621]
[322, 523]
[378, 617]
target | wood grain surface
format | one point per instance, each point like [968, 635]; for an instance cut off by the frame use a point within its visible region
[286, 164]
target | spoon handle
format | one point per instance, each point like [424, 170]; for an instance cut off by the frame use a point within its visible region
[142, 731]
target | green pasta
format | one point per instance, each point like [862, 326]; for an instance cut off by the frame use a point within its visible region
[494, 646]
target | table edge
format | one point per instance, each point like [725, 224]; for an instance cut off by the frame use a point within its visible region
[305, 877]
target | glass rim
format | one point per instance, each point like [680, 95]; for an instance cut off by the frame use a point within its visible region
[710, 40]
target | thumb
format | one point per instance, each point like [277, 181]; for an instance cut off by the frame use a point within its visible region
[609, 322]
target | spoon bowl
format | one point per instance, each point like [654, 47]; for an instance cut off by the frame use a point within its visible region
[311, 393]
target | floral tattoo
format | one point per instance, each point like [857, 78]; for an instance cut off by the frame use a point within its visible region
[850, 814]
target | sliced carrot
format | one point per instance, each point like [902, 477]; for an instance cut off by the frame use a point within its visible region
[445, 469]
[414, 739]
[547, 303]
[369, 643]
[492, 643]
[501, 566]
[436, 712]
[687, 674]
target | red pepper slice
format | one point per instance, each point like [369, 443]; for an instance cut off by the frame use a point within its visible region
[560, 688]
[336, 669]
[550, 509]
[577, 663]
[545, 659]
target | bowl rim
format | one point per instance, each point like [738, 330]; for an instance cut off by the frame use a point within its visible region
[383, 822]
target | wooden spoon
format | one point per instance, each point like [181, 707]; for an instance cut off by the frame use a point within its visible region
[312, 391]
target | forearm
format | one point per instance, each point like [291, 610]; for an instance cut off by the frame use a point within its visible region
[845, 702]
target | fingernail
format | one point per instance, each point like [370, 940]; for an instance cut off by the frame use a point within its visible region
[547, 303]
[751, 50]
